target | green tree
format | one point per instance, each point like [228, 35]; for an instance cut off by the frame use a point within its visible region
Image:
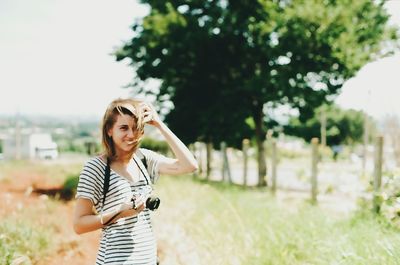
[223, 61]
[342, 126]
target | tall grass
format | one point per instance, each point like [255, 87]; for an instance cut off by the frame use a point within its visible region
[229, 225]
[20, 237]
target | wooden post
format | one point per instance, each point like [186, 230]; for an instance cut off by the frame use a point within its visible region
[223, 147]
[199, 154]
[378, 172]
[274, 165]
[314, 170]
[193, 149]
[245, 148]
[209, 157]
[226, 172]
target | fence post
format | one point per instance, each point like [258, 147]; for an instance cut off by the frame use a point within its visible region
[274, 164]
[226, 173]
[378, 172]
[199, 156]
[245, 148]
[314, 170]
[209, 157]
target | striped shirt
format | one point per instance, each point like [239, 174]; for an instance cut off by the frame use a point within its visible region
[130, 240]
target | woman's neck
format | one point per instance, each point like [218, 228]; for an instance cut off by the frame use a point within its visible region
[124, 158]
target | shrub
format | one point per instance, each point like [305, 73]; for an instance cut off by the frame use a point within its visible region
[69, 187]
[155, 145]
[387, 199]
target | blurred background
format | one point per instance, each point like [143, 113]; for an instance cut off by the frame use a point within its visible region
[290, 107]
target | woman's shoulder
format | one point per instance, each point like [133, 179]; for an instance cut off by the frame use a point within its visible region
[96, 161]
[146, 152]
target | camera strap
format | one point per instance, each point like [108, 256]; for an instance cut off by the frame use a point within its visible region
[144, 162]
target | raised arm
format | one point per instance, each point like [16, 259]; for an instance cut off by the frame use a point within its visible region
[184, 161]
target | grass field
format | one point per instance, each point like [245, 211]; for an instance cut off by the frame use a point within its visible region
[229, 225]
[210, 223]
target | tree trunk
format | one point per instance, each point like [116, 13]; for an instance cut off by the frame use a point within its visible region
[260, 138]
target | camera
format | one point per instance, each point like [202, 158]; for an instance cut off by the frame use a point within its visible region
[152, 202]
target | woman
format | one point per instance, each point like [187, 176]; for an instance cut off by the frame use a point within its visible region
[127, 236]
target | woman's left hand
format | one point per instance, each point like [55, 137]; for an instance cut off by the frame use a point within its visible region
[150, 116]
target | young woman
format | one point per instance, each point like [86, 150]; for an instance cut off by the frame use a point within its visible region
[127, 234]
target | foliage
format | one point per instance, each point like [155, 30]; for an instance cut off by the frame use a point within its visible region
[388, 198]
[69, 187]
[222, 62]
[342, 126]
[154, 145]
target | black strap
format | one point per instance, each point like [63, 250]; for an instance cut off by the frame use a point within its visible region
[106, 184]
[145, 177]
[107, 174]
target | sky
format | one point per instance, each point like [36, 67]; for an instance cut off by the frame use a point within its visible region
[55, 59]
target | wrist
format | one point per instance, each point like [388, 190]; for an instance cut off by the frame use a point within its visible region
[161, 126]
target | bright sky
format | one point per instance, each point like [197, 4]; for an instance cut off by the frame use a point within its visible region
[55, 59]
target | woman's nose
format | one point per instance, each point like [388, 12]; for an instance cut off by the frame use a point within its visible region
[131, 133]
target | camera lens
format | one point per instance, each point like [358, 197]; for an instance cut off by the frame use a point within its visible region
[152, 203]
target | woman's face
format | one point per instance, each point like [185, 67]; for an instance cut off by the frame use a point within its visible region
[124, 133]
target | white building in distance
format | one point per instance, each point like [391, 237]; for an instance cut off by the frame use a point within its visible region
[27, 145]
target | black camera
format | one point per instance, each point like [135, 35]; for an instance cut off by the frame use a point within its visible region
[152, 202]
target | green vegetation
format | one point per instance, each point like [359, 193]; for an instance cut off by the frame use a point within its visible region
[69, 187]
[229, 225]
[388, 198]
[343, 127]
[241, 60]
[155, 145]
[22, 237]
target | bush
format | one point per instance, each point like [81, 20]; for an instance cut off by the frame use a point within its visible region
[155, 145]
[69, 187]
[388, 199]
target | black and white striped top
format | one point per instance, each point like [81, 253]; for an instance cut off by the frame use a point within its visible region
[130, 240]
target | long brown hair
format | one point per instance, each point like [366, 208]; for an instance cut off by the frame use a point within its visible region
[120, 107]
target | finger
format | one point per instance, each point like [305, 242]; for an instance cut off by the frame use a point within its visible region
[147, 119]
[146, 106]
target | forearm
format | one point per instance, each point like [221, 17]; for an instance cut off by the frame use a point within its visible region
[88, 223]
[182, 153]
